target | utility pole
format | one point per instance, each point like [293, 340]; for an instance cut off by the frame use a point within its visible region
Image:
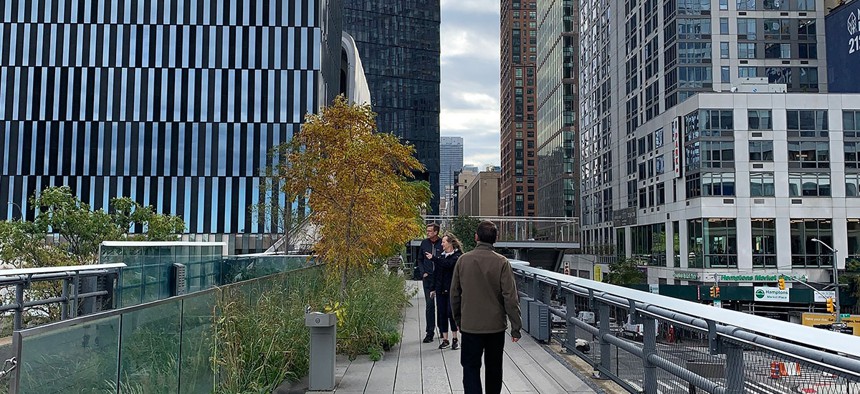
[835, 282]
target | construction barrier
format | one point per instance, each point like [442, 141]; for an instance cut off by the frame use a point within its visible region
[779, 369]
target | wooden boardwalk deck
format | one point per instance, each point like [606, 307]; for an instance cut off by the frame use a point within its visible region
[416, 367]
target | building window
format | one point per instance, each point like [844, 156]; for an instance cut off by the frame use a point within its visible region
[724, 4]
[777, 51]
[724, 26]
[804, 251]
[807, 51]
[649, 244]
[808, 154]
[761, 150]
[808, 78]
[852, 154]
[746, 29]
[759, 119]
[764, 242]
[745, 5]
[725, 74]
[746, 50]
[851, 123]
[712, 243]
[718, 154]
[852, 185]
[761, 184]
[718, 184]
[806, 29]
[807, 123]
[747, 72]
[853, 238]
[724, 50]
[808, 184]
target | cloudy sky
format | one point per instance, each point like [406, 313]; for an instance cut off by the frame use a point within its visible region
[470, 77]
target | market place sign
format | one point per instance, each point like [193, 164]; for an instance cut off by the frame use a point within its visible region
[771, 294]
[759, 277]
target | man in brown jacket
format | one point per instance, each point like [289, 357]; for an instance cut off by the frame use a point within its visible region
[483, 299]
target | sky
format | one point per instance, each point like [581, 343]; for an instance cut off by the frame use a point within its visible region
[470, 78]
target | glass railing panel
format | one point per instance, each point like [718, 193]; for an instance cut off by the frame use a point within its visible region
[149, 349]
[196, 374]
[76, 359]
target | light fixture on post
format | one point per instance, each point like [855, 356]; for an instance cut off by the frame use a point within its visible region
[835, 281]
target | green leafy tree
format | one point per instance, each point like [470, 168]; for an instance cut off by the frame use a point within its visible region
[357, 185]
[464, 228]
[625, 272]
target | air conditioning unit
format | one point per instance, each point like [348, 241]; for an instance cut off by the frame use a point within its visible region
[177, 279]
[539, 324]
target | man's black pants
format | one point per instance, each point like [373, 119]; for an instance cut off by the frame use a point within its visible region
[491, 347]
[430, 308]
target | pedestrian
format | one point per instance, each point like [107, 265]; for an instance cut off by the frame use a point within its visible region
[483, 300]
[432, 245]
[445, 263]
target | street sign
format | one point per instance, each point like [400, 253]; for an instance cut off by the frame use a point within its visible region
[844, 315]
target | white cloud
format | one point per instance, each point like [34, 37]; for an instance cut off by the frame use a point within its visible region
[470, 77]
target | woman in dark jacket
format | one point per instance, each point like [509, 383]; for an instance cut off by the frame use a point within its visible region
[442, 285]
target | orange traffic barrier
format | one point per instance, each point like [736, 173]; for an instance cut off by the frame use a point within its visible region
[775, 368]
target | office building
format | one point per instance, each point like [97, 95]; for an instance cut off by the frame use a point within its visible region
[175, 105]
[399, 46]
[480, 198]
[518, 108]
[451, 161]
[718, 150]
[558, 155]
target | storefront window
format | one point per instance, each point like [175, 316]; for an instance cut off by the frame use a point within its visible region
[649, 244]
[712, 243]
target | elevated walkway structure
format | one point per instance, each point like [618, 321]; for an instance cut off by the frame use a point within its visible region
[416, 367]
[542, 241]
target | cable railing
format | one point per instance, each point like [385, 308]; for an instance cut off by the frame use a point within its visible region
[649, 343]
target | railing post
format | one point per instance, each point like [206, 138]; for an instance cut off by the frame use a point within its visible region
[649, 342]
[734, 368]
[605, 349]
[64, 307]
[569, 300]
[19, 311]
[535, 287]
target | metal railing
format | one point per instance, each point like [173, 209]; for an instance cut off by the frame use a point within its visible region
[71, 278]
[523, 228]
[649, 343]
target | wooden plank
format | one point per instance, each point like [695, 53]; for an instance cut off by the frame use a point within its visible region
[563, 376]
[408, 377]
[356, 375]
[531, 369]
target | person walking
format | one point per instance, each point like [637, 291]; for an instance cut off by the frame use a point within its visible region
[483, 300]
[445, 263]
[431, 245]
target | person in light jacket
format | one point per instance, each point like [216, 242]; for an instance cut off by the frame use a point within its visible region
[445, 263]
[483, 300]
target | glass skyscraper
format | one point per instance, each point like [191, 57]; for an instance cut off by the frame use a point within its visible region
[399, 45]
[174, 104]
[451, 159]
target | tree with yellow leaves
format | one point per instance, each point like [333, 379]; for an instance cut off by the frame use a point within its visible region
[358, 185]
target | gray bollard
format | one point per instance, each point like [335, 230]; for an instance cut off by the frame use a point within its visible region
[323, 347]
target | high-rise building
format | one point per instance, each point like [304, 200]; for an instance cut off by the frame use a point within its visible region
[451, 161]
[557, 106]
[172, 104]
[518, 188]
[399, 46]
[480, 197]
[718, 149]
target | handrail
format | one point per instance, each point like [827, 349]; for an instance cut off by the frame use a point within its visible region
[809, 336]
[59, 270]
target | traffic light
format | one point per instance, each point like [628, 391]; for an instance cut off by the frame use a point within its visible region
[781, 283]
[713, 292]
[716, 291]
[830, 305]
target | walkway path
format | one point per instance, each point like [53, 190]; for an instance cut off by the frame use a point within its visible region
[416, 367]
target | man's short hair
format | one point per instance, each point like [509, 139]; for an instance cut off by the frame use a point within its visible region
[435, 227]
[487, 232]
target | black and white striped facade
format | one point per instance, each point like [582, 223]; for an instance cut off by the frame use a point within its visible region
[174, 103]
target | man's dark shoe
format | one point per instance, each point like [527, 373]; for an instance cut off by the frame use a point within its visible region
[428, 338]
[444, 344]
[455, 344]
